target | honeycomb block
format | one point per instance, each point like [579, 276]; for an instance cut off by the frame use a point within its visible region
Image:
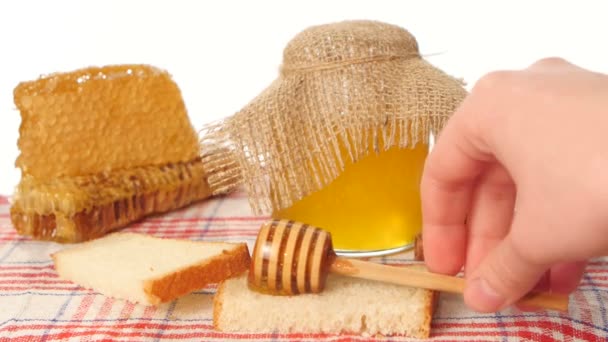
[76, 209]
[100, 119]
[100, 148]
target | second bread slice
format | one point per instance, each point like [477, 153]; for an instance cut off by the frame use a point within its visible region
[347, 306]
[149, 270]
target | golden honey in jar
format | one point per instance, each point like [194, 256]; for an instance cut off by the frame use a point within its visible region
[373, 207]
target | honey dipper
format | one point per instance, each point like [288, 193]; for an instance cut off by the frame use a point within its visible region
[291, 257]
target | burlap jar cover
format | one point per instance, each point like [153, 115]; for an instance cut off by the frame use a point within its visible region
[342, 87]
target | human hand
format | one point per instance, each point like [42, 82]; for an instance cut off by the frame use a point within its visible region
[524, 161]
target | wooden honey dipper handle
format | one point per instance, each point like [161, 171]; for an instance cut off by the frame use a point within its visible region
[417, 277]
[290, 258]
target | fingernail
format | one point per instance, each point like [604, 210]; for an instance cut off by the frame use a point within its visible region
[482, 297]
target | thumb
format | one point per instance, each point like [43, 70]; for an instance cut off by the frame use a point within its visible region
[505, 275]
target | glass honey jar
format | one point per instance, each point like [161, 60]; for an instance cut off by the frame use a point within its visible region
[339, 139]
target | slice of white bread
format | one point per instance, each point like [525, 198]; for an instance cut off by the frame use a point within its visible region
[347, 305]
[149, 270]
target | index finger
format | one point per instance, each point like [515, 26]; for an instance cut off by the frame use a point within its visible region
[447, 188]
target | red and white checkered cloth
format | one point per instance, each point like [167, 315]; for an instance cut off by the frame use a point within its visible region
[37, 306]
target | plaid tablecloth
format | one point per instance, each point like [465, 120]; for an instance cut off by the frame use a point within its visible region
[37, 306]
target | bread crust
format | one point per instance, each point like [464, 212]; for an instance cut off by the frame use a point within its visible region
[229, 264]
[433, 296]
[418, 248]
[101, 219]
[218, 305]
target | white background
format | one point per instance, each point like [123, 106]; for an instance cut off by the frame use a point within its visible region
[222, 53]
